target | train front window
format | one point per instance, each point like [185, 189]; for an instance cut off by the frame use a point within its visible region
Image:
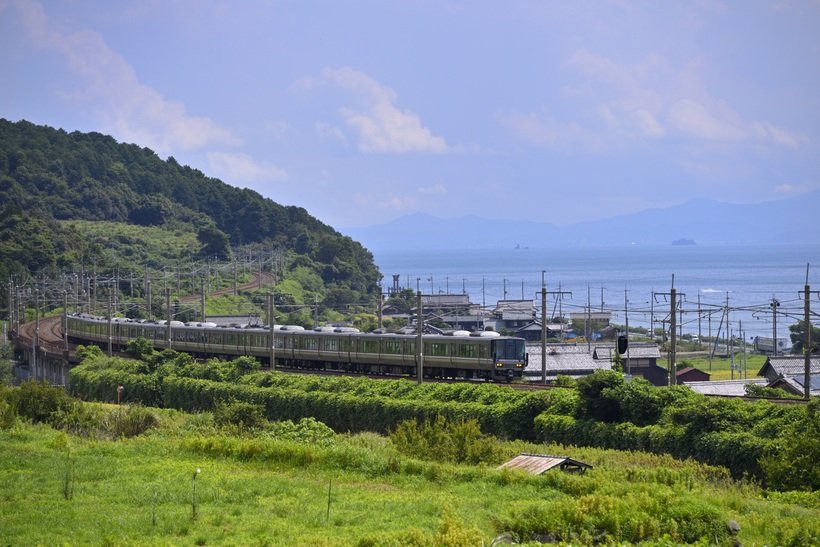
[510, 349]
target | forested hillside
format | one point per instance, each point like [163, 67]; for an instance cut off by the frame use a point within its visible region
[49, 175]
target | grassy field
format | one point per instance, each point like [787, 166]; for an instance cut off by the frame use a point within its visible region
[720, 367]
[261, 489]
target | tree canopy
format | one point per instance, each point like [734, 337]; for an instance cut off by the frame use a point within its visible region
[48, 175]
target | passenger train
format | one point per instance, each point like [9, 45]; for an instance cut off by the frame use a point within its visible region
[483, 355]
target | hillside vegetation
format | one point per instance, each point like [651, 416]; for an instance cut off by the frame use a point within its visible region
[49, 175]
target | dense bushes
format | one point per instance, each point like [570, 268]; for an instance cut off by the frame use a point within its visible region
[345, 404]
[446, 441]
[747, 438]
[604, 519]
[604, 411]
[39, 402]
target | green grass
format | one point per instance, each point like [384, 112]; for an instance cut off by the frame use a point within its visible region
[257, 490]
[720, 368]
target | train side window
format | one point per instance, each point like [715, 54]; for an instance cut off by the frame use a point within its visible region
[438, 349]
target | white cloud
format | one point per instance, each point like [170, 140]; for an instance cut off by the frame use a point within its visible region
[128, 109]
[435, 190]
[241, 167]
[647, 123]
[695, 119]
[331, 132]
[541, 129]
[381, 126]
[391, 202]
[650, 100]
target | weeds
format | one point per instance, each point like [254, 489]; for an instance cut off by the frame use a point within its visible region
[68, 479]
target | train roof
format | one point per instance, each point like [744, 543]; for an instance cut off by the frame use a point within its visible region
[298, 330]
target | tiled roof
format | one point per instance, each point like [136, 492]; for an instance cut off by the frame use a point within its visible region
[790, 366]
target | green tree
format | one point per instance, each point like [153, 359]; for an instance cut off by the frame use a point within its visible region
[792, 462]
[798, 336]
[403, 301]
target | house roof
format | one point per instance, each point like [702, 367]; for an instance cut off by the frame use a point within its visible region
[595, 315]
[789, 366]
[444, 300]
[796, 384]
[535, 464]
[515, 310]
[690, 370]
[731, 388]
[563, 361]
[636, 351]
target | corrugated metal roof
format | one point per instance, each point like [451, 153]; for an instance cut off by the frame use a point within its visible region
[535, 464]
[735, 388]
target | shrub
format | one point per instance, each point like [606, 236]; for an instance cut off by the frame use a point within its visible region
[446, 441]
[792, 462]
[596, 401]
[307, 430]
[78, 419]
[129, 421]
[240, 414]
[8, 414]
[140, 348]
[37, 401]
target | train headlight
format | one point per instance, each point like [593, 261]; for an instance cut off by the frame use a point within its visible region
[519, 365]
[499, 365]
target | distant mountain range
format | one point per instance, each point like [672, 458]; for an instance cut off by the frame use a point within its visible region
[701, 221]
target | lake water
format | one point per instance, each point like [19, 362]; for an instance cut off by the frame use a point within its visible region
[749, 275]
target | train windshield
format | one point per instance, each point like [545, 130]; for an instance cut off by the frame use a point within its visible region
[509, 349]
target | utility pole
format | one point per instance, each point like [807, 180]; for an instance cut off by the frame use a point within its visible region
[626, 314]
[543, 328]
[202, 300]
[168, 321]
[672, 338]
[774, 305]
[588, 328]
[419, 341]
[65, 322]
[807, 292]
[673, 298]
[110, 328]
[147, 296]
[381, 307]
[271, 321]
[36, 341]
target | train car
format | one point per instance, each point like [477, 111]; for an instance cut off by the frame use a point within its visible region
[484, 355]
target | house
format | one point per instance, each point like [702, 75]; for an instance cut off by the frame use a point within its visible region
[561, 360]
[788, 367]
[641, 360]
[795, 385]
[601, 317]
[532, 331]
[690, 374]
[511, 315]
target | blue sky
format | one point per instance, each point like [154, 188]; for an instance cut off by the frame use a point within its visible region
[364, 111]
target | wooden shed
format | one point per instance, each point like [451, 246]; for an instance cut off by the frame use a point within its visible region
[536, 464]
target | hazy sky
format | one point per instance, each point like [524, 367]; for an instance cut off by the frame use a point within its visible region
[364, 111]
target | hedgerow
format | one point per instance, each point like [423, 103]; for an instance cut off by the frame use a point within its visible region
[603, 411]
